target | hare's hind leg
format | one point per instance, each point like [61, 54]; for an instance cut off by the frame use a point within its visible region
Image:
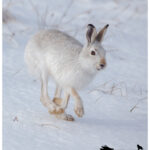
[52, 107]
[58, 91]
[63, 103]
[57, 98]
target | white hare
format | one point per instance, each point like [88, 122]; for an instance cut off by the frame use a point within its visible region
[52, 53]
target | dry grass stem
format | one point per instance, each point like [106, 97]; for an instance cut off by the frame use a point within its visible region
[48, 124]
[139, 101]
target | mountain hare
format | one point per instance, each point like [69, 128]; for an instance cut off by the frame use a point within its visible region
[70, 64]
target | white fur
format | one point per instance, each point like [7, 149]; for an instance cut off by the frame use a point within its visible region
[60, 56]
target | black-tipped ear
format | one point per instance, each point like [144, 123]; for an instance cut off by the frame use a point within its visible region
[101, 33]
[91, 31]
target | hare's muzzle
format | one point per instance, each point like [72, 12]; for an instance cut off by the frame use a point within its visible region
[102, 64]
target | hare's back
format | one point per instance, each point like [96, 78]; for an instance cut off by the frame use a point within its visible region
[57, 41]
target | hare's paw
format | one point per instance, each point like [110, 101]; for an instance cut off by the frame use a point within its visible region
[65, 116]
[55, 109]
[68, 117]
[79, 110]
[57, 101]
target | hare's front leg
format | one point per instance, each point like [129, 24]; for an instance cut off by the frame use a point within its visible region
[58, 100]
[79, 110]
[52, 107]
[63, 103]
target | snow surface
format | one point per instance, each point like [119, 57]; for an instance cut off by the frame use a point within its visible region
[115, 102]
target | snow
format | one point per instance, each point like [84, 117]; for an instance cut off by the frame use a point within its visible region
[110, 116]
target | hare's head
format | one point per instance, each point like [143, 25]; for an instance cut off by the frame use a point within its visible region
[93, 54]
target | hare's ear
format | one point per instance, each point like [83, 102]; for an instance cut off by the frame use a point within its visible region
[101, 33]
[91, 33]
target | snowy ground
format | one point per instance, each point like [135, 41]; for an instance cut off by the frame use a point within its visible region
[115, 102]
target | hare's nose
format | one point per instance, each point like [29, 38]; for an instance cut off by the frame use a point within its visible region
[102, 65]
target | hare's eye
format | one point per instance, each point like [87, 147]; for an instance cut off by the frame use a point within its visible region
[92, 52]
